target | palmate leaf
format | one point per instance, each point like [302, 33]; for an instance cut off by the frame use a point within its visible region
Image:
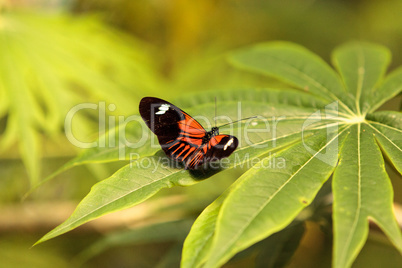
[289, 188]
[362, 189]
[324, 129]
[387, 129]
[134, 131]
[43, 75]
[237, 227]
[142, 178]
[287, 62]
[131, 142]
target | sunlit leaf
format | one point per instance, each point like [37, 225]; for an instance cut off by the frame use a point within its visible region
[362, 190]
[312, 133]
[387, 128]
[362, 67]
[46, 71]
[198, 243]
[290, 186]
[145, 176]
[387, 90]
[296, 66]
[133, 132]
[130, 141]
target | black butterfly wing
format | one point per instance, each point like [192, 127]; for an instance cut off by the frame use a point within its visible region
[178, 133]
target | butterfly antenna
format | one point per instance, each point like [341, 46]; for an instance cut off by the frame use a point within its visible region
[237, 121]
[215, 111]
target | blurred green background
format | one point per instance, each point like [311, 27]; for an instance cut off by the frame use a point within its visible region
[56, 54]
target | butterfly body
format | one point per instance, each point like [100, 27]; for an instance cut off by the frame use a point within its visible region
[214, 131]
[181, 137]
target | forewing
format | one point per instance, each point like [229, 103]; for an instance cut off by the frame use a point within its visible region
[178, 133]
[161, 116]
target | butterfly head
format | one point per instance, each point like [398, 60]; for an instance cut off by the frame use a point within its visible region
[215, 131]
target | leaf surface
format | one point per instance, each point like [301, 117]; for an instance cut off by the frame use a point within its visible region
[142, 178]
[248, 216]
[362, 66]
[387, 129]
[43, 76]
[362, 190]
[296, 66]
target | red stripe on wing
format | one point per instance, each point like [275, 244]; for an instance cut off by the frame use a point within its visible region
[191, 131]
[197, 157]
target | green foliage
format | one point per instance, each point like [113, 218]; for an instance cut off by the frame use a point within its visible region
[329, 127]
[42, 76]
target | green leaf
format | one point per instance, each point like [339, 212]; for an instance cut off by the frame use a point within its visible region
[142, 178]
[130, 142]
[272, 96]
[391, 87]
[387, 129]
[126, 188]
[118, 144]
[133, 130]
[361, 190]
[135, 183]
[362, 66]
[25, 113]
[198, 242]
[248, 216]
[43, 75]
[389, 118]
[296, 66]
[311, 131]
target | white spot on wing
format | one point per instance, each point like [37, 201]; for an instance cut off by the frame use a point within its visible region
[163, 108]
[228, 144]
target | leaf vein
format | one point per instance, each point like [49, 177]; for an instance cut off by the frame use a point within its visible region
[314, 82]
[390, 141]
[358, 209]
[385, 125]
[361, 72]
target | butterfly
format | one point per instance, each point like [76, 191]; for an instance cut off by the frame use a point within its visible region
[181, 137]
